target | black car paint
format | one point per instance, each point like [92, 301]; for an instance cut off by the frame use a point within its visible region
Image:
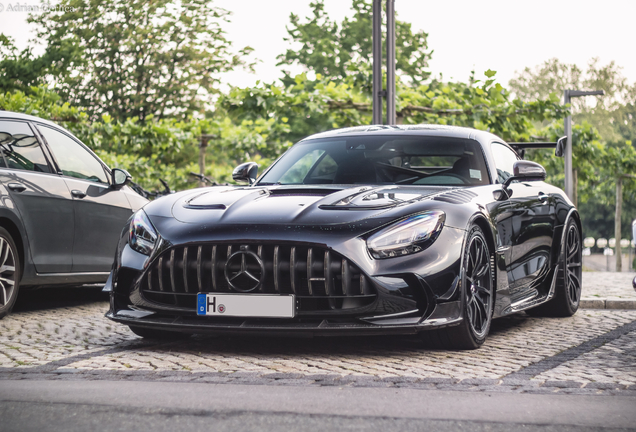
[62, 239]
[524, 232]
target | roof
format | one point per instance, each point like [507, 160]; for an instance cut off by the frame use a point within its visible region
[412, 130]
[20, 116]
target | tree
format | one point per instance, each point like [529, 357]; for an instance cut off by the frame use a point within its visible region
[483, 105]
[610, 114]
[341, 50]
[613, 116]
[137, 59]
[19, 70]
[619, 166]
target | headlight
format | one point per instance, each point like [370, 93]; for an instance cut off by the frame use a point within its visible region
[407, 236]
[142, 235]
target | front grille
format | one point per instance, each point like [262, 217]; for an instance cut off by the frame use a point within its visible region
[321, 279]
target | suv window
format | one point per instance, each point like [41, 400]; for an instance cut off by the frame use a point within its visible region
[73, 159]
[504, 160]
[20, 149]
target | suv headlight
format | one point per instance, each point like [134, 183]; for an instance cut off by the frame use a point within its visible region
[407, 236]
[142, 235]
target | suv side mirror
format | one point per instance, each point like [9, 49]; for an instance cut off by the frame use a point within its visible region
[246, 172]
[120, 177]
[527, 171]
[559, 151]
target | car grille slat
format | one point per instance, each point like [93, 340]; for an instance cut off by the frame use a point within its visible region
[213, 269]
[184, 262]
[292, 268]
[321, 279]
[276, 268]
[199, 269]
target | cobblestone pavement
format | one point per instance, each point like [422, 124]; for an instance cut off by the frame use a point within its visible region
[608, 285]
[593, 352]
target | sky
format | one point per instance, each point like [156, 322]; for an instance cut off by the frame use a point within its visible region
[502, 35]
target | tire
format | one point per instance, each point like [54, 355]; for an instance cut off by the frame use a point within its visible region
[10, 271]
[568, 287]
[156, 334]
[477, 291]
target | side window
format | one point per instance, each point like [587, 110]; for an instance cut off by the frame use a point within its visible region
[20, 149]
[504, 160]
[73, 159]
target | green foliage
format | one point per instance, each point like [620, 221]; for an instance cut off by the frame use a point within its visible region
[343, 50]
[19, 70]
[340, 103]
[158, 148]
[137, 59]
[612, 114]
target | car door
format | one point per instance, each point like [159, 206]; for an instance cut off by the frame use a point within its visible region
[100, 210]
[532, 213]
[40, 195]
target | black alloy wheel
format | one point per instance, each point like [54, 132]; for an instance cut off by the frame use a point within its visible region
[9, 273]
[573, 266]
[569, 284]
[477, 291]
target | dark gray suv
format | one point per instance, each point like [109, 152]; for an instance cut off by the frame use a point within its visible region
[62, 209]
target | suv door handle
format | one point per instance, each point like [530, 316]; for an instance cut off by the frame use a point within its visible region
[542, 197]
[77, 193]
[17, 187]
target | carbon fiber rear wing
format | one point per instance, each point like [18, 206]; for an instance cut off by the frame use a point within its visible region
[559, 146]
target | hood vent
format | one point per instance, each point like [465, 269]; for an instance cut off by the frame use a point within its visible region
[459, 196]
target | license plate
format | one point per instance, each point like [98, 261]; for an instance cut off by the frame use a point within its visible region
[246, 305]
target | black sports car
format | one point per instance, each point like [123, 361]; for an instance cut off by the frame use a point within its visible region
[410, 229]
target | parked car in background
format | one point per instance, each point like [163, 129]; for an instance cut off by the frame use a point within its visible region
[369, 230]
[61, 208]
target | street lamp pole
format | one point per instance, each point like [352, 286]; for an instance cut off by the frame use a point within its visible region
[390, 63]
[569, 173]
[377, 62]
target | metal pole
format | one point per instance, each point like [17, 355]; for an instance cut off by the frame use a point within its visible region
[569, 183]
[390, 62]
[377, 62]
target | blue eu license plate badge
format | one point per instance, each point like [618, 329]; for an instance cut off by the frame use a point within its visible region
[201, 297]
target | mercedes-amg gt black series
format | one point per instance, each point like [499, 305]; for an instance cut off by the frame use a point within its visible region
[368, 230]
[61, 208]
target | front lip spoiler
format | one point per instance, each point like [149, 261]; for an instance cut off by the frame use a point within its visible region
[253, 327]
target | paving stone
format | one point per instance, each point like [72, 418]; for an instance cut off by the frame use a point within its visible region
[78, 342]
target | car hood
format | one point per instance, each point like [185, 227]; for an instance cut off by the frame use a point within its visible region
[297, 205]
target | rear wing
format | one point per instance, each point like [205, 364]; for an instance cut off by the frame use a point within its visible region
[559, 146]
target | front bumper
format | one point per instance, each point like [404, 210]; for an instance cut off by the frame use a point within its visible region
[445, 314]
[412, 294]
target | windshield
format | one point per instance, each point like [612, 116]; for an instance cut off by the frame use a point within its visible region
[381, 160]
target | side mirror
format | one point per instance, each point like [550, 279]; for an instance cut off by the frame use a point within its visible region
[527, 171]
[559, 151]
[120, 177]
[246, 172]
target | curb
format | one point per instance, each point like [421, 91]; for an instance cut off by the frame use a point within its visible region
[610, 303]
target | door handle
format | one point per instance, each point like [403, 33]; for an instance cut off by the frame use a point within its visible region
[77, 193]
[17, 187]
[542, 197]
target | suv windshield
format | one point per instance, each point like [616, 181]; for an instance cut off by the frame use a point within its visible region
[381, 160]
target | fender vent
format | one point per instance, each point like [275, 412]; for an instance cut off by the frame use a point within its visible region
[456, 197]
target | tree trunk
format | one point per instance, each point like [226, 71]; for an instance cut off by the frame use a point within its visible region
[617, 223]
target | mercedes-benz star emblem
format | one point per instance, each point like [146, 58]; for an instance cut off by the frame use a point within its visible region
[244, 271]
